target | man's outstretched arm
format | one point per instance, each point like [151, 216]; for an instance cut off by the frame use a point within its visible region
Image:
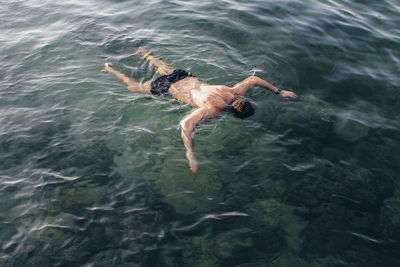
[242, 87]
[188, 125]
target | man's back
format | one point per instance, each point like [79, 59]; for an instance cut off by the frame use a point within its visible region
[191, 91]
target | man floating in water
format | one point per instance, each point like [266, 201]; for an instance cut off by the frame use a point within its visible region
[209, 100]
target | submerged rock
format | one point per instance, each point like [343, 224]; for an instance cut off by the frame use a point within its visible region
[349, 130]
[273, 214]
[233, 243]
[187, 192]
[233, 247]
[390, 217]
[329, 261]
[288, 259]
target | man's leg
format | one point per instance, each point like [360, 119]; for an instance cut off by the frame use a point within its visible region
[133, 85]
[161, 67]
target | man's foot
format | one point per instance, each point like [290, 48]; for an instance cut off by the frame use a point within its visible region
[107, 67]
[142, 52]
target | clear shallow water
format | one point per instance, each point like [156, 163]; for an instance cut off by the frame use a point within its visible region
[92, 175]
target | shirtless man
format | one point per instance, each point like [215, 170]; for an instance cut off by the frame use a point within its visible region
[209, 100]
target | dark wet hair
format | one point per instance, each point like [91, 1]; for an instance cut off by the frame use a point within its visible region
[240, 108]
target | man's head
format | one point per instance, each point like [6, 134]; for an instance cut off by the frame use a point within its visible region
[240, 108]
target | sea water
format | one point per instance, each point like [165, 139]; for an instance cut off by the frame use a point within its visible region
[93, 175]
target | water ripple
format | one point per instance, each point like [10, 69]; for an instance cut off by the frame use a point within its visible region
[210, 217]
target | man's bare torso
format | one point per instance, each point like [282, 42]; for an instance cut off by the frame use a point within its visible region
[191, 91]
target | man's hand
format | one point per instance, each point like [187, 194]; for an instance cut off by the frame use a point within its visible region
[192, 161]
[287, 94]
[193, 165]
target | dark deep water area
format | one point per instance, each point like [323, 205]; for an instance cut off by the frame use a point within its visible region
[94, 175]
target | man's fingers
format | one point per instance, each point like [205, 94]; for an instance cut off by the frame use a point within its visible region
[193, 165]
[193, 168]
[287, 95]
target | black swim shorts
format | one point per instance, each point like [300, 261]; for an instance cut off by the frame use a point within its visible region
[161, 85]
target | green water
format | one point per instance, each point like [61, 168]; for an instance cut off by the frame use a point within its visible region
[93, 175]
